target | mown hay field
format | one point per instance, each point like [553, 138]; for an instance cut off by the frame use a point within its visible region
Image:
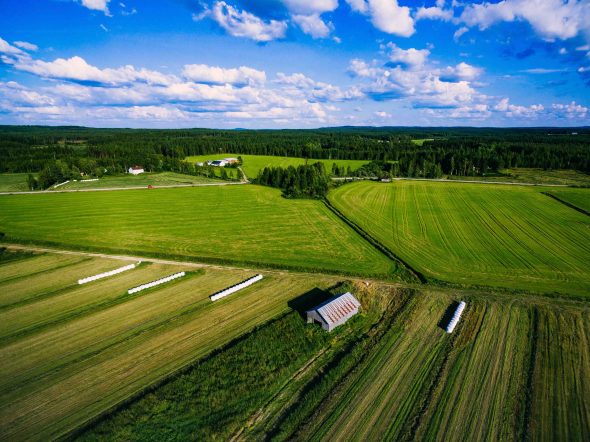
[74, 353]
[511, 371]
[253, 164]
[471, 234]
[230, 224]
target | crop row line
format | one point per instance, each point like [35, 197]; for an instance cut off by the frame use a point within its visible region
[380, 247]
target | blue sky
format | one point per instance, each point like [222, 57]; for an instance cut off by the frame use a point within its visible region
[294, 63]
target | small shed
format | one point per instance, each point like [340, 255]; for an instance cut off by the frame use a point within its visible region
[334, 312]
[136, 170]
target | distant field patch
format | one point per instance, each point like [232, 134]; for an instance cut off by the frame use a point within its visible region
[13, 182]
[243, 224]
[507, 236]
[141, 180]
[421, 141]
[253, 164]
[536, 176]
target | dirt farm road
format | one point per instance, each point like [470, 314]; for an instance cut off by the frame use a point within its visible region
[107, 189]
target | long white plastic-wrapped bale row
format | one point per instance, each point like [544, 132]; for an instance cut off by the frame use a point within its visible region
[455, 319]
[107, 274]
[155, 283]
[235, 288]
[61, 184]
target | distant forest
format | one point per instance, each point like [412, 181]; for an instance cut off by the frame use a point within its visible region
[53, 151]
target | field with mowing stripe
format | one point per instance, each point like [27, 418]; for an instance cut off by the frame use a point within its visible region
[577, 197]
[508, 236]
[509, 370]
[115, 345]
[141, 180]
[243, 224]
[253, 164]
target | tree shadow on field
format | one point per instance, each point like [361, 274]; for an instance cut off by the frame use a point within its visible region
[446, 318]
[308, 300]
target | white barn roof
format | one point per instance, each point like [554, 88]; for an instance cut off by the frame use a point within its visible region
[336, 311]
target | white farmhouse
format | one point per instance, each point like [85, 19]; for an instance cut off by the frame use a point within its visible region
[217, 163]
[136, 170]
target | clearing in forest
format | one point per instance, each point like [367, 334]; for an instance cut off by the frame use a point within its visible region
[253, 164]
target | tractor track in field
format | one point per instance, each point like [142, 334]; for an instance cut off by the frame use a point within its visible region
[375, 243]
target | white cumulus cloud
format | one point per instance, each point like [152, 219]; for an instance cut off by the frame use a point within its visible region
[244, 24]
[312, 25]
[386, 15]
[26, 45]
[202, 73]
[97, 5]
[551, 19]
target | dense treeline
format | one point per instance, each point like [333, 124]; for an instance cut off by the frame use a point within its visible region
[452, 151]
[307, 181]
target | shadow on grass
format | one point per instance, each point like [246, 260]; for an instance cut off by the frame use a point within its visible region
[449, 312]
[308, 300]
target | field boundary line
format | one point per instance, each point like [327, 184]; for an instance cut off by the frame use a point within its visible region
[380, 247]
[73, 433]
[443, 180]
[566, 203]
[196, 261]
[433, 283]
[506, 183]
[108, 189]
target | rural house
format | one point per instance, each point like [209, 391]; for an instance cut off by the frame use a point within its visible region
[136, 170]
[217, 163]
[334, 312]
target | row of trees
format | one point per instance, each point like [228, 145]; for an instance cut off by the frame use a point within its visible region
[306, 181]
[454, 151]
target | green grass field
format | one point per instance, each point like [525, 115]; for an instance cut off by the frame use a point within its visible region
[514, 369]
[470, 234]
[496, 378]
[13, 182]
[534, 176]
[112, 344]
[141, 180]
[234, 224]
[577, 197]
[421, 141]
[252, 164]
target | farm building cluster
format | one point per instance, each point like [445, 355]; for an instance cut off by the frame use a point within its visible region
[334, 312]
[220, 163]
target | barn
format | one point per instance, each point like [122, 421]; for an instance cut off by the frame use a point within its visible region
[334, 312]
[136, 170]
